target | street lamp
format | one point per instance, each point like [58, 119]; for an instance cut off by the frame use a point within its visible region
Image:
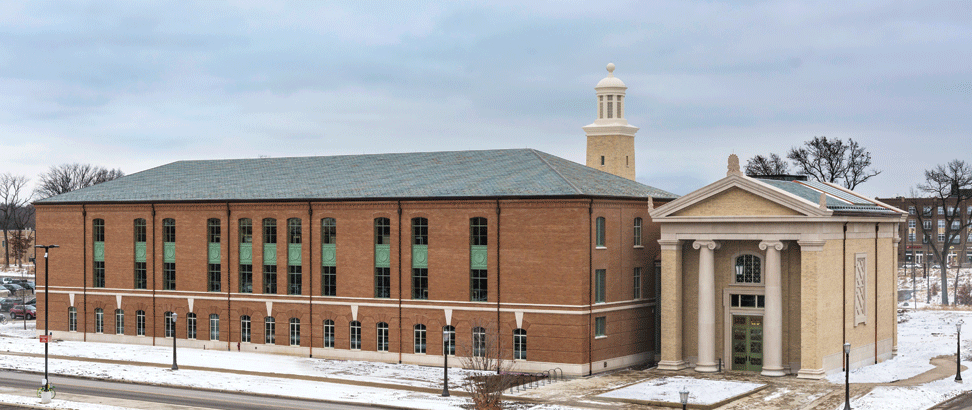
[445, 365]
[683, 396]
[175, 317]
[847, 376]
[958, 351]
[47, 315]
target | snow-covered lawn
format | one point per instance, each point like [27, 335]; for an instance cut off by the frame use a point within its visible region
[666, 389]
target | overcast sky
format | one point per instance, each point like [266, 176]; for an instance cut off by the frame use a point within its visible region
[134, 85]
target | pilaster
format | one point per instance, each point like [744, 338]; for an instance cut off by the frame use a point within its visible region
[811, 360]
[672, 356]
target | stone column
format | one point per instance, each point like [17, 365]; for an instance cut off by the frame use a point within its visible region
[672, 357]
[773, 310]
[706, 302]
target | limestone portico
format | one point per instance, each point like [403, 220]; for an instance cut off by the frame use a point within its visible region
[774, 275]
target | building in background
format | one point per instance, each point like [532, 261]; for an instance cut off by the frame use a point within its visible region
[914, 248]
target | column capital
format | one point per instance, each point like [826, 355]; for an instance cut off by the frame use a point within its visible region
[778, 245]
[711, 245]
[668, 244]
[811, 245]
[897, 240]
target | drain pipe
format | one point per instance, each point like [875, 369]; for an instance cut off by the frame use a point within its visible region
[843, 292]
[399, 282]
[876, 229]
[84, 269]
[590, 289]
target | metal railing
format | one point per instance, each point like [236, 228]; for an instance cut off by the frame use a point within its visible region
[524, 381]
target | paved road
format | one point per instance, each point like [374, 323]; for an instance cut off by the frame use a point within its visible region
[960, 402]
[166, 395]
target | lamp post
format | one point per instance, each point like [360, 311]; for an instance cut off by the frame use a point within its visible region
[445, 364]
[847, 376]
[958, 351]
[683, 396]
[47, 331]
[175, 317]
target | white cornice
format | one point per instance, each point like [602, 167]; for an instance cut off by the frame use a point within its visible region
[613, 129]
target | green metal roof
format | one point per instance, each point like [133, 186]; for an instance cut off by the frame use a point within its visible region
[490, 173]
[837, 200]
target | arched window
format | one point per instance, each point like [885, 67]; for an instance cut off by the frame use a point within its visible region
[72, 319]
[293, 231]
[245, 329]
[748, 269]
[190, 325]
[420, 339]
[328, 333]
[519, 344]
[269, 330]
[213, 327]
[169, 324]
[141, 277]
[479, 341]
[269, 230]
[328, 257]
[599, 236]
[449, 340]
[294, 331]
[99, 320]
[382, 258]
[119, 322]
[382, 337]
[98, 271]
[139, 322]
[356, 335]
[420, 261]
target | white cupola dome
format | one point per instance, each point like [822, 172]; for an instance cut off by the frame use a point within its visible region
[610, 81]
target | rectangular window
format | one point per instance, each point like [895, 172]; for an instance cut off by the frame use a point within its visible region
[420, 339]
[246, 230]
[214, 230]
[139, 322]
[420, 283]
[294, 331]
[449, 340]
[168, 276]
[329, 281]
[72, 319]
[213, 327]
[141, 276]
[270, 330]
[382, 283]
[294, 280]
[246, 278]
[245, 329]
[637, 232]
[140, 231]
[911, 210]
[926, 211]
[477, 278]
[600, 326]
[926, 224]
[270, 279]
[382, 337]
[329, 231]
[214, 277]
[98, 230]
[168, 230]
[169, 324]
[637, 283]
[599, 235]
[329, 333]
[99, 274]
[599, 284]
[941, 211]
[269, 230]
[748, 301]
[190, 326]
[355, 335]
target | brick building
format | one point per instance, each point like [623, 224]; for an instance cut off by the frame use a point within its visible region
[363, 257]
[930, 214]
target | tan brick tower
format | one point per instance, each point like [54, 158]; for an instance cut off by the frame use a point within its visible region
[610, 139]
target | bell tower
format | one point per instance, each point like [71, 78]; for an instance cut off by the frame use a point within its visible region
[610, 139]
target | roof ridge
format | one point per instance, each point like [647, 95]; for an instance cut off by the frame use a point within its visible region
[556, 171]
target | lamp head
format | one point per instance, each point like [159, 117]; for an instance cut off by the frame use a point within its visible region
[846, 348]
[175, 316]
[683, 395]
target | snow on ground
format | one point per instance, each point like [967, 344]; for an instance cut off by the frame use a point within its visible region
[666, 389]
[922, 335]
[54, 404]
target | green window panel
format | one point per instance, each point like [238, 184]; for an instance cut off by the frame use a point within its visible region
[293, 254]
[168, 252]
[328, 255]
[382, 256]
[214, 252]
[478, 257]
[99, 251]
[140, 251]
[269, 254]
[246, 253]
[420, 256]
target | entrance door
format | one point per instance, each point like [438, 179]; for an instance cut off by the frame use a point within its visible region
[747, 343]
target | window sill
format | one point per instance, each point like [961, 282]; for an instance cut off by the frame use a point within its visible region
[600, 247]
[600, 337]
[639, 246]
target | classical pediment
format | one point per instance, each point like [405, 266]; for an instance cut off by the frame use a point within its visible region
[739, 195]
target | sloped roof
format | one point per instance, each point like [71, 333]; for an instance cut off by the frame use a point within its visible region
[838, 199]
[488, 173]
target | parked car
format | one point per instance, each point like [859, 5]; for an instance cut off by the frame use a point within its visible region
[20, 311]
[5, 280]
[32, 302]
[24, 284]
[15, 290]
[7, 303]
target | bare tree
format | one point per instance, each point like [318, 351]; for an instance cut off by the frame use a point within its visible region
[69, 177]
[14, 200]
[20, 244]
[950, 186]
[834, 161]
[771, 165]
[494, 371]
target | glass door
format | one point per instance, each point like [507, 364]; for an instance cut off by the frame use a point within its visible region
[747, 343]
